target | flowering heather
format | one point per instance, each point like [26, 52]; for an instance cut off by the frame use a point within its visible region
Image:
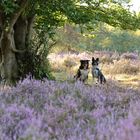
[130, 56]
[50, 110]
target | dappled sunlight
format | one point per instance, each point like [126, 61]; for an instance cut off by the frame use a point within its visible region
[137, 33]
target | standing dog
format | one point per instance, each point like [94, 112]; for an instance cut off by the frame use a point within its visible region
[96, 72]
[82, 73]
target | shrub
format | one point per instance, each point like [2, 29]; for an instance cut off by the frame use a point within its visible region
[68, 62]
[129, 56]
[53, 110]
[123, 67]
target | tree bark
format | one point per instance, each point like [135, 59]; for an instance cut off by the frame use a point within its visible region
[22, 35]
[9, 71]
[20, 29]
[30, 21]
[8, 48]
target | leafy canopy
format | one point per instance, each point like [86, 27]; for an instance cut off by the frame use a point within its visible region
[53, 13]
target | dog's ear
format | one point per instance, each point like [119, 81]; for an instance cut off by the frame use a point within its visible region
[97, 59]
[82, 62]
[93, 59]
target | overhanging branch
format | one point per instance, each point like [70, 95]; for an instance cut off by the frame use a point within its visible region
[15, 16]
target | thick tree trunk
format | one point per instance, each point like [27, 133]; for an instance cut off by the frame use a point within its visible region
[14, 52]
[8, 66]
[22, 35]
[20, 29]
[9, 71]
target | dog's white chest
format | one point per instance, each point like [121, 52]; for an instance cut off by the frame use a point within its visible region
[95, 72]
[84, 74]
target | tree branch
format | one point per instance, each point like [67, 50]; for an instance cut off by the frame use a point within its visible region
[15, 16]
[1, 18]
[12, 46]
[30, 21]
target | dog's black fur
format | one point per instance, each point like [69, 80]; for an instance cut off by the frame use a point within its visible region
[82, 73]
[96, 72]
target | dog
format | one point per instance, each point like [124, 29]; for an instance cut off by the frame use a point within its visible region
[82, 73]
[96, 72]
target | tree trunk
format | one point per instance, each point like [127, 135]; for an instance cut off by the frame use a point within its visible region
[30, 21]
[20, 29]
[9, 71]
[22, 35]
[8, 48]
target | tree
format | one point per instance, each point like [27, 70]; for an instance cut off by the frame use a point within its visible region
[18, 17]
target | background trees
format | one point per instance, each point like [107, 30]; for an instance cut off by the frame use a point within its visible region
[27, 28]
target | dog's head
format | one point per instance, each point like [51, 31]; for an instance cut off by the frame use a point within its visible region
[84, 64]
[95, 62]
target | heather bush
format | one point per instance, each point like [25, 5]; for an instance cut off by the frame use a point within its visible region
[104, 56]
[69, 62]
[129, 56]
[53, 110]
[123, 66]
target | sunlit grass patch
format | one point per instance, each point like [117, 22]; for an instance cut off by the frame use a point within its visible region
[137, 33]
[60, 76]
[128, 80]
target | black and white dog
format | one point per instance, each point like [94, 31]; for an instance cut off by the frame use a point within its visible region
[96, 72]
[82, 73]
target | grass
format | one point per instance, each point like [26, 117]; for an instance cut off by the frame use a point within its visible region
[124, 68]
[128, 80]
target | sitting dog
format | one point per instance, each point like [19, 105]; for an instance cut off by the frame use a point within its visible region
[82, 73]
[96, 72]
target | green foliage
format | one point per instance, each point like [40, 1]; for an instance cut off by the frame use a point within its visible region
[114, 39]
[103, 37]
[52, 13]
[8, 6]
[39, 50]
